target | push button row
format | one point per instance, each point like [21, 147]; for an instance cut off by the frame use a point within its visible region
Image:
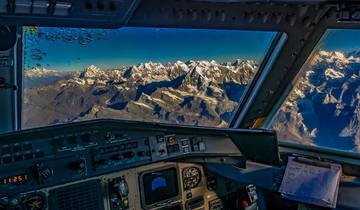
[20, 157]
[15, 148]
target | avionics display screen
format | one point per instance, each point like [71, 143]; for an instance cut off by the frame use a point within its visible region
[160, 185]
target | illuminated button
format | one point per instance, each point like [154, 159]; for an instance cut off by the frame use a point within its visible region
[40, 7]
[125, 202]
[171, 140]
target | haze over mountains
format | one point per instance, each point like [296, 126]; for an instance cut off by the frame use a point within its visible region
[323, 109]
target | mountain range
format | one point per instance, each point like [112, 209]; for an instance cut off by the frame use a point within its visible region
[193, 92]
[323, 108]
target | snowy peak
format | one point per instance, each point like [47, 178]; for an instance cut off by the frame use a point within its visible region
[331, 73]
[193, 92]
[327, 95]
[91, 72]
[41, 72]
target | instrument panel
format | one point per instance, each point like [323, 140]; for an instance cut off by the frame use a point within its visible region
[56, 155]
[107, 164]
[161, 186]
[154, 186]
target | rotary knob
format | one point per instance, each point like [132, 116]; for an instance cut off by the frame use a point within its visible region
[43, 172]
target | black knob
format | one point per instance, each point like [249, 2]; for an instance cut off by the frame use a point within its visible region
[46, 172]
[42, 172]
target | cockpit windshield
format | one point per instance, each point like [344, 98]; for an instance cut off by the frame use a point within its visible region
[323, 109]
[181, 76]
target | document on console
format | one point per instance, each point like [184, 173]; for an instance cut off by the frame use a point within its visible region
[311, 182]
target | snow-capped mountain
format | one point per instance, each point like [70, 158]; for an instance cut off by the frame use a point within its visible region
[41, 72]
[193, 92]
[41, 76]
[324, 108]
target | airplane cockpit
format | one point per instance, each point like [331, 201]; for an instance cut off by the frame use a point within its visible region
[179, 105]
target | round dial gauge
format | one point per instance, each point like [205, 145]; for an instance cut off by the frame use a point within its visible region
[191, 177]
[35, 202]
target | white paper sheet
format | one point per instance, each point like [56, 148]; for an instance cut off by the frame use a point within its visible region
[312, 182]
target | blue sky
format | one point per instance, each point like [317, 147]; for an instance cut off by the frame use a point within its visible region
[131, 46]
[345, 40]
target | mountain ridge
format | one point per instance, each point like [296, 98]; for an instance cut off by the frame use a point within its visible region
[192, 92]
